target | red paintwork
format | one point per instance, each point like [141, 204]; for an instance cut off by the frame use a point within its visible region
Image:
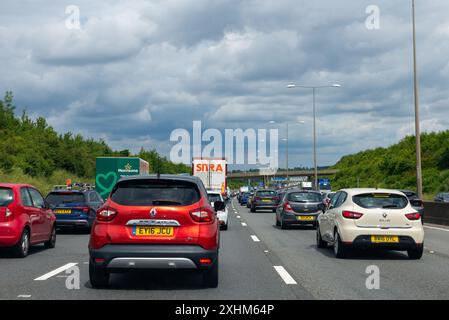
[204, 234]
[39, 221]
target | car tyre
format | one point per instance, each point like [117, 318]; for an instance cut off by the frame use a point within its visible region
[278, 224]
[340, 249]
[210, 276]
[225, 227]
[20, 250]
[51, 243]
[274, 210]
[320, 243]
[283, 225]
[253, 209]
[98, 276]
[416, 254]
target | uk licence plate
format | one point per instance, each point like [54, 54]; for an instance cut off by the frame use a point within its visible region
[384, 239]
[305, 218]
[63, 211]
[153, 231]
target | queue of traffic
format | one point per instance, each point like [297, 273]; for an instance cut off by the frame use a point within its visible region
[357, 218]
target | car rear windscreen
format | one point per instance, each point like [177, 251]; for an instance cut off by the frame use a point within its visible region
[57, 198]
[380, 200]
[6, 197]
[304, 197]
[213, 197]
[266, 193]
[155, 192]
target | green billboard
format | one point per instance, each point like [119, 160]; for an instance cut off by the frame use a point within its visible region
[109, 170]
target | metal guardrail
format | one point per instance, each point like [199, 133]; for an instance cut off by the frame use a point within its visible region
[436, 212]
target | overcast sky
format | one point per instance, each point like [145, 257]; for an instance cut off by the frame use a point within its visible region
[136, 70]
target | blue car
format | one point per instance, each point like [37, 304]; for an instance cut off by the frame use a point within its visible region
[244, 198]
[74, 208]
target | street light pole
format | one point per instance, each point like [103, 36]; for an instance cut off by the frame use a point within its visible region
[417, 127]
[286, 153]
[290, 86]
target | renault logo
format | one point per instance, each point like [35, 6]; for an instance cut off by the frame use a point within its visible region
[153, 212]
[384, 215]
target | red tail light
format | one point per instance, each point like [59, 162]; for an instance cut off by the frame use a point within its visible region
[106, 214]
[276, 199]
[287, 207]
[256, 199]
[202, 215]
[413, 216]
[84, 209]
[9, 213]
[352, 215]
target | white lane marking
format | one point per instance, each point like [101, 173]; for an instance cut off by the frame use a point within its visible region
[24, 296]
[255, 239]
[288, 279]
[436, 228]
[244, 224]
[238, 217]
[56, 271]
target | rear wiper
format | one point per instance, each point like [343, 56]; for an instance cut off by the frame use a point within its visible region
[390, 206]
[165, 202]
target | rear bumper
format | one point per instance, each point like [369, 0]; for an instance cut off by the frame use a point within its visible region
[261, 205]
[72, 223]
[10, 233]
[130, 257]
[405, 243]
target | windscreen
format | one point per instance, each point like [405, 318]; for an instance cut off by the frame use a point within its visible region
[266, 193]
[304, 197]
[380, 200]
[213, 197]
[6, 197]
[155, 192]
[57, 198]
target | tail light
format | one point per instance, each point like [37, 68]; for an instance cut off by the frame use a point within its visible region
[287, 207]
[276, 199]
[413, 216]
[256, 199]
[9, 213]
[106, 214]
[352, 215]
[202, 215]
[84, 209]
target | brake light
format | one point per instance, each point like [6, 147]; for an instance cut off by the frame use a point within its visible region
[106, 214]
[84, 209]
[287, 207]
[9, 213]
[202, 215]
[205, 261]
[413, 216]
[352, 215]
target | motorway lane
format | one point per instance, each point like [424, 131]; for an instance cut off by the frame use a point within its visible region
[246, 272]
[326, 277]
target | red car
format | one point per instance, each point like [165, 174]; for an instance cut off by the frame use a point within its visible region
[25, 219]
[155, 222]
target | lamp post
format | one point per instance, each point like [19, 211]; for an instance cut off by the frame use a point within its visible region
[416, 95]
[286, 141]
[292, 86]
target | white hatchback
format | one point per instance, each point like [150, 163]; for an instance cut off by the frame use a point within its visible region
[221, 215]
[371, 218]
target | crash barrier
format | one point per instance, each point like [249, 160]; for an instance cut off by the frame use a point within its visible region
[436, 212]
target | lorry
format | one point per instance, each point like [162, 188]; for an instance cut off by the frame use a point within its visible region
[212, 172]
[109, 170]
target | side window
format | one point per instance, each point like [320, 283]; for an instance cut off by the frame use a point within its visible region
[341, 199]
[335, 199]
[38, 201]
[92, 197]
[26, 199]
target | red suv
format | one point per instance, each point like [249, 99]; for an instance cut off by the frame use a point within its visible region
[25, 219]
[155, 222]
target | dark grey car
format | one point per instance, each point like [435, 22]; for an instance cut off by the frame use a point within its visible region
[299, 207]
[442, 197]
[415, 201]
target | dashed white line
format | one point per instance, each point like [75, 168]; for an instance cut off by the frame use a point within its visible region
[288, 279]
[24, 296]
[255, 239]
[56, 271]
[238, 217]
[244, 224]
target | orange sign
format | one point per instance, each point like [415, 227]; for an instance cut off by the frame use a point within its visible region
[68, 182]
[204, 167]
